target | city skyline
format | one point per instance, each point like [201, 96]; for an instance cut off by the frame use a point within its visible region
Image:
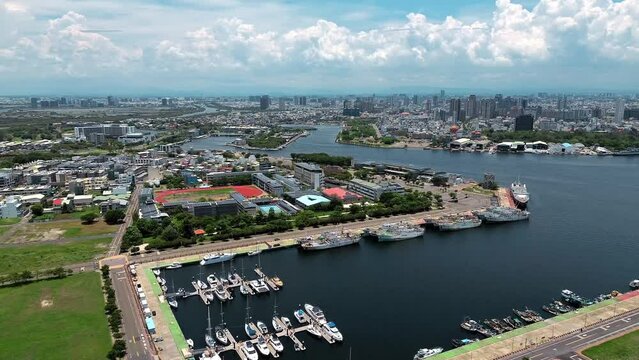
[279, 47]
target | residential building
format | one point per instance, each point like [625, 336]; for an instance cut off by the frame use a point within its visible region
[311, 200]
[11, 207]
[620, 107]
[309, 174]
[524, 123]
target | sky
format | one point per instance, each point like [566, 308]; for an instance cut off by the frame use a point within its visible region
[240, 47]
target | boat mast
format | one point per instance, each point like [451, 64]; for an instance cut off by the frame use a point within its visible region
[208, 310]
[222, 313]
[275, 307]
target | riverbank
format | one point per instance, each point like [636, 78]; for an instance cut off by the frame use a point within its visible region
[280, 147]
[512, 343]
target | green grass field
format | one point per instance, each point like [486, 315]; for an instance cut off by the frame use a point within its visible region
[9, 221]
[47, 256]
[72, 326]
[622, 348]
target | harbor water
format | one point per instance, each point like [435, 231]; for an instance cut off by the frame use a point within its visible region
[389, 299]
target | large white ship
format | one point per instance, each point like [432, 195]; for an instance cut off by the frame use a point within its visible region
[216, 258]
[520, 194]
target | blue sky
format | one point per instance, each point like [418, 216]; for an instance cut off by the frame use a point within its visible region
[282, 46]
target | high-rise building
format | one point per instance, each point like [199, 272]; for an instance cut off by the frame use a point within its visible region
[471, 107]
[487, 108]
[455, 110]
[265, 102]
[435, 101]
[442, 94]
[524, 123]
[281, 105]
[34, 102]
[165, 101]
[302, 101]
[620, 108]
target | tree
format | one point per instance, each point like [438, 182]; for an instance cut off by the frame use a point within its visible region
[170, 234]
[114, 216]
[26, 275]
[89, 217]
[131, 237]
[439, 180]
[59, 272]
[37, 209]
[65, 208]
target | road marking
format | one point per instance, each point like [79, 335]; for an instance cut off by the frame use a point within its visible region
[605, 327]
[577, 357]
[627, 320]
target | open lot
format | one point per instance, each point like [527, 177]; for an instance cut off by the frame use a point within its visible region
[55, 319]
[34, 257]
[58, 230]
[622, 348]
[210, 194]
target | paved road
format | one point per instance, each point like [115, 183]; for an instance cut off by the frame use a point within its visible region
[114, 248]
[565, 348]
[137, 341]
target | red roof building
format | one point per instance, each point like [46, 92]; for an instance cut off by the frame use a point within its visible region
[341, 194]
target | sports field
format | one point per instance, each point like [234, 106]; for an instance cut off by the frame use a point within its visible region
[208, 194]
[55, 320]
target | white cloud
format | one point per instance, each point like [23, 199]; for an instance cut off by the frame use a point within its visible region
[250, 47]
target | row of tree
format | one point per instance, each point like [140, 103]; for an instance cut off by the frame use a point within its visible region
[27, 275]
[114, 314]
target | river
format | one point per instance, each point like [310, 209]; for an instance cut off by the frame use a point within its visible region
[391, 299]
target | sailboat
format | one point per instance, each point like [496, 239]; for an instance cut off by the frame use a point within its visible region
[243, 289]
[274, 322]
[247, 327]
[220, 334]
[208, 337]
[257, 251]
[171, 300]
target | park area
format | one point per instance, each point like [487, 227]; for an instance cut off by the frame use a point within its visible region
[57, 319]
[207, 194]
[625, 347]
[56, 231]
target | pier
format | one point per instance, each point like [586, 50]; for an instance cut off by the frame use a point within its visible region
[307, 324]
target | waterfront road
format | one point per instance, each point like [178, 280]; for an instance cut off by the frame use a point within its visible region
[114, 248]
[465, 204]
[138, 343]
[567, 347]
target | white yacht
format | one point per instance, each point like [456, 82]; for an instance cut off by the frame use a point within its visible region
[316, 313]
[189, 342]
[262, 347]
[286, 322]
[249, 350]
[210, 354]
[300, 315]
[173, 303]
[212, 280]
[202, 285]
[276, 325]
[426, 353]
[174, 265]
[276, 343]
[216, 258]
[262, 326]
[156, 272]
[634, 284]
[331, 328]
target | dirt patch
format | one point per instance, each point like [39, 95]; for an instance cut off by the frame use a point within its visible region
[46, 303]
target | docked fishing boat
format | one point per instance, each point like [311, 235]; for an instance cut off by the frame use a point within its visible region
[173, 303]
[300, 315]
[202, 285]
[287, 322]
[259, 285]
[243, 290]
[277, 281]
[462, 342]
[262, 326]
[331, 328]
[189, 342]
[234, 279]
[156, 272]
[276, 325]
[216, 258]
[250, 332]
[426, 353]
[574, 299]
[212, 280]
[634, 284]
[262, 346]
[210, 354]
[528, 315]
[470, 325]
[249, 351]
[551, 309]
[276, 343]
[254, 252]
[328, 240]
[315, 313]
[174, 265]
[221, 293]
[563, 308]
